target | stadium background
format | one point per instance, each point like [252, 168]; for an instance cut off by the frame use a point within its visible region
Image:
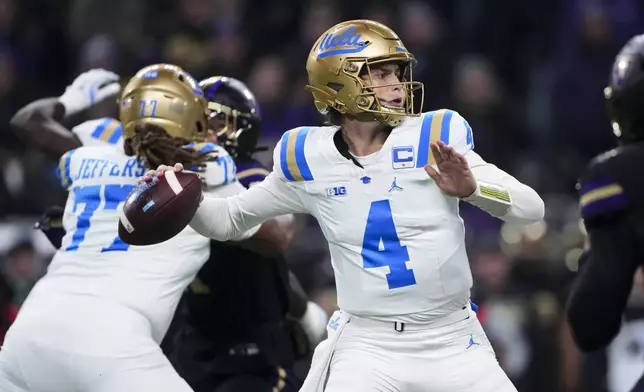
[527, 75]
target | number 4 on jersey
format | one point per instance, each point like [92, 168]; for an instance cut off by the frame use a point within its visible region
[381, 246]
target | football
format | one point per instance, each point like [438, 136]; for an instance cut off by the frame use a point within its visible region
[160, 209]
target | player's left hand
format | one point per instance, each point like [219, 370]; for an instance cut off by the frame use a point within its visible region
[150, 174]
[453, 176]
[153, 175]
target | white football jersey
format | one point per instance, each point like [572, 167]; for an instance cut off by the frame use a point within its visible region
[396, 241]
[99, 132]
[93, 261]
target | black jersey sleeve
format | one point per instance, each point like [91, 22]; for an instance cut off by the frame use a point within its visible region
[602, 287]
[599, 293]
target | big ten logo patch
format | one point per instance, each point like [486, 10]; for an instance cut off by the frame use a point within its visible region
[336, 191]
[403, 157]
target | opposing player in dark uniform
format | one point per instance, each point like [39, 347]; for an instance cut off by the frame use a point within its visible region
[612, 206]
[245, 320]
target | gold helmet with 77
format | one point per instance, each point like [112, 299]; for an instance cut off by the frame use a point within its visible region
[167, 96]
[162, 109]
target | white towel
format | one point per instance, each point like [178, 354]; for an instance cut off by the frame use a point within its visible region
[316, 378]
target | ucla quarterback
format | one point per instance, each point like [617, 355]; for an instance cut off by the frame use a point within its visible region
[384, 181]
[95, 320]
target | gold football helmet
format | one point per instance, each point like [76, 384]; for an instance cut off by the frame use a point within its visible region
[166, 96]
[349, 50]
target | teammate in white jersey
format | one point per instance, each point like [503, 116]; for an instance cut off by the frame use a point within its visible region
[385, 182]
[95, 321]
[44, 123]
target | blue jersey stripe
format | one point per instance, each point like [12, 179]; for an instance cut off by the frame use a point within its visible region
[300, 157]
[469, 138]
[445, 126]
[101, 128]
[63, 172]
[283, 161]
[116, 136]
[423, 143]
[205, 148]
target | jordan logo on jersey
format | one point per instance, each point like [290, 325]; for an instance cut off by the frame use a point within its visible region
[394, 186]
[472, 342]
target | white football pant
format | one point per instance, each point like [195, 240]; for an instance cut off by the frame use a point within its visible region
[75, 345]
[449, 355]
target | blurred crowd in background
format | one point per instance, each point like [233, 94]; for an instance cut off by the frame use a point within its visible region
[527, 75]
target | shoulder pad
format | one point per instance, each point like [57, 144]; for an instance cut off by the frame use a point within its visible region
[445, 125]
[97, 132]
[290, 158]
[221, 170]
[602, 187]
[64, 169]
[207, 148]
[251, 172]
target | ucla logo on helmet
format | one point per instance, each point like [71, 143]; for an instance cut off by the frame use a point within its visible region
[347, 42]
[150, 75]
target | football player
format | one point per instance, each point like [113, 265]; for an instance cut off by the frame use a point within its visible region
[42, 124]
[252, 348]
[384, 181]
[95, 320]
[94, 92]
[611, 206]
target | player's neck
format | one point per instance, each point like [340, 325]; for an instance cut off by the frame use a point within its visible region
[364, 138]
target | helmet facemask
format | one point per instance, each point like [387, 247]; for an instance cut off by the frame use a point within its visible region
[228, 125]
[359, 96]
[368, 100]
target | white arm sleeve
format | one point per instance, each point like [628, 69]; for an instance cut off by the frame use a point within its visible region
[497, 193]
[236, 217]
[502, 195]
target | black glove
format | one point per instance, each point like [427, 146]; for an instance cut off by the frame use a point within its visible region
[51, 223]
